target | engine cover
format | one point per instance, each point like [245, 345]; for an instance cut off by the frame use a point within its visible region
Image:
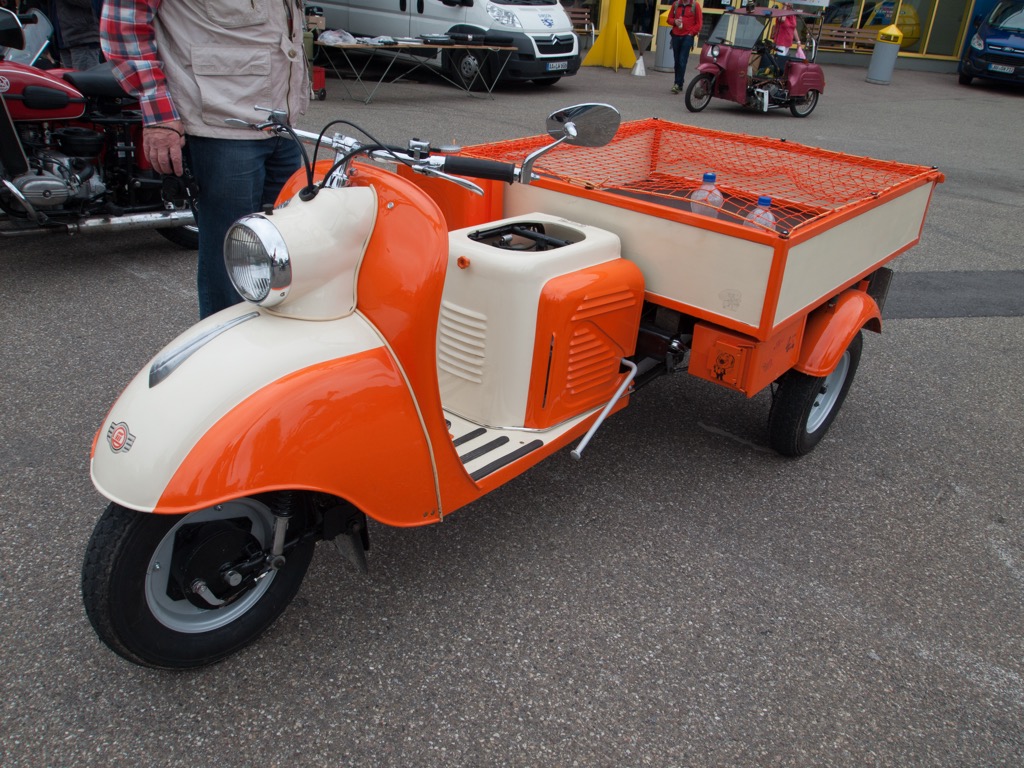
[44, 190]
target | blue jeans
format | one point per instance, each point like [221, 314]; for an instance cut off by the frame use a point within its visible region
[235, 178]
[681, 47]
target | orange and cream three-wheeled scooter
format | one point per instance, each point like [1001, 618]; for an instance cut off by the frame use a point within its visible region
[412, 340]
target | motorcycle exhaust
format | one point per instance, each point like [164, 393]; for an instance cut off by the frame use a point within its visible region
[150, 220]
[44, 224]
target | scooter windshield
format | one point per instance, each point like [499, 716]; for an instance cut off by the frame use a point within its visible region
[737, 31]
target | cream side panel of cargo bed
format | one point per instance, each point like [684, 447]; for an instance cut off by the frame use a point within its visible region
[817, 266]
[723, 275]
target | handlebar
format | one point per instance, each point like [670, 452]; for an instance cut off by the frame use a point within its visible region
[480, 169]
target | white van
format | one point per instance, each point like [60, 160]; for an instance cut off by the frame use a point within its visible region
[547, 48]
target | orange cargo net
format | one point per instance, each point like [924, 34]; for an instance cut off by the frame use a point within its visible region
[663, 162]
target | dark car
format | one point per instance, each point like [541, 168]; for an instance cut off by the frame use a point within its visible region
[996, 50]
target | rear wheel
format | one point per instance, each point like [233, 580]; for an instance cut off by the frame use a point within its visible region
[186, 237]
[805, 406]
[802, 106]
[698, 93]
[178, 591]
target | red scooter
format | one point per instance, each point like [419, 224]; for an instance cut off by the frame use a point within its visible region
[739, 63]
[70, 149]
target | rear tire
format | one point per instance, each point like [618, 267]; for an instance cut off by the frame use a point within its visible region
[138, 568]
[805, 406]
[698, 93]
[186, 237]
[803, 106]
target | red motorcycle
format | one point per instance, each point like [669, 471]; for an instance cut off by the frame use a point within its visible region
[739, 63]
[70, 148]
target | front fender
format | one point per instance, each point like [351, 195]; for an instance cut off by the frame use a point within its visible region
[272, 403]
[832, 326]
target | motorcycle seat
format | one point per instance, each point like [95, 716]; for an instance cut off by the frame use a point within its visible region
[97, 82]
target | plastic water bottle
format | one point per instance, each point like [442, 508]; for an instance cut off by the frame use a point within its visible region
[762, 216]
[706, 199]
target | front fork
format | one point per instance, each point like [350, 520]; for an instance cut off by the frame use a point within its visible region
[244, 576]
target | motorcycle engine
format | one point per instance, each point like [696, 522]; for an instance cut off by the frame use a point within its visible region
[56, 178]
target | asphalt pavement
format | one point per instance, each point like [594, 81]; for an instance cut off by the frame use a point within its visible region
[681, 597]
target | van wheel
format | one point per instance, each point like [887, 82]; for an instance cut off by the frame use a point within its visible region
[544, 82]
[964, 79]
[468, 68]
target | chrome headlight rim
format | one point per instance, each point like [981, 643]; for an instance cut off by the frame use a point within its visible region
[265, 290]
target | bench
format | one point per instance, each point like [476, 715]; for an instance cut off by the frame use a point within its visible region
[582, 24]
[846, 38]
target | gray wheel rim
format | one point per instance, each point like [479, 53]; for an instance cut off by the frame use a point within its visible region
[181, 615]
[831, 386]
[468, 66]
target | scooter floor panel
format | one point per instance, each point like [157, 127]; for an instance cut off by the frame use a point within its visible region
[484, 450]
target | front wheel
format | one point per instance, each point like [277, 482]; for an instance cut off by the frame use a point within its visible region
[468, 68]
[698, 94]
[805, 406]
[180, 591]
[802, 106]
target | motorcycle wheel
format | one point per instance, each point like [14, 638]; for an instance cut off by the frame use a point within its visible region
[138, 571]
[805, 406]
[186, 237]
[802, 107]
[698, 93]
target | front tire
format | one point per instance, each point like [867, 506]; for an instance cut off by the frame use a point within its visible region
[802, 106]
[805, 406]
[698, 93]
[139, 567]
[468, 68]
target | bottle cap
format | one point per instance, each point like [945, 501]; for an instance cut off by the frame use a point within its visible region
[709, 176]
[764, 201]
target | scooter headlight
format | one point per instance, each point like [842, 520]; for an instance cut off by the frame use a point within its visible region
[715, 51]
[257, 261]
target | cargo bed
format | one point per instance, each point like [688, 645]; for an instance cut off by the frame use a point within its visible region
[839, 217]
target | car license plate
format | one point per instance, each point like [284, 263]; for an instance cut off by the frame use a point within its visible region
[1001, 68]
[555, 66]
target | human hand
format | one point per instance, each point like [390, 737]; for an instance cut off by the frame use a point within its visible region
[162, 146]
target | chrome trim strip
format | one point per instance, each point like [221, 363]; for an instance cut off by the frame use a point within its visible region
[166, 363]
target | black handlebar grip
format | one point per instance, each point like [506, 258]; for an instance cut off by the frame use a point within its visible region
[480, 169]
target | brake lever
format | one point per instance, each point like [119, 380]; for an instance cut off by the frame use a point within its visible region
[429, 170]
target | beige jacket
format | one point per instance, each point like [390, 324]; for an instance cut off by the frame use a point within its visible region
[222, 58]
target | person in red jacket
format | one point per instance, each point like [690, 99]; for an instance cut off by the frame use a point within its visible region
[684, 21]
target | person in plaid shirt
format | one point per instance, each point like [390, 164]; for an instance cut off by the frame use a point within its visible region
[193, 65]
